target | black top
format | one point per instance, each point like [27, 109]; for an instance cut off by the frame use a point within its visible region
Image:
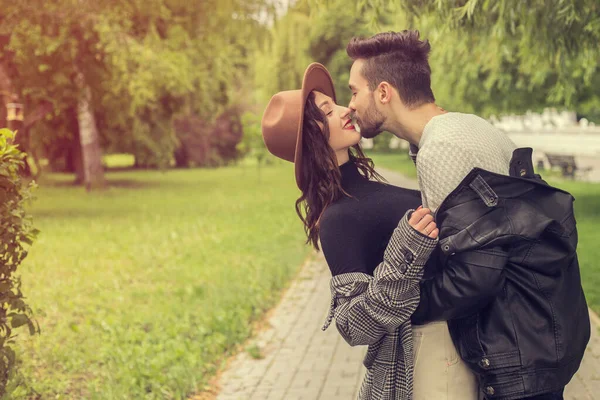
[356, 230]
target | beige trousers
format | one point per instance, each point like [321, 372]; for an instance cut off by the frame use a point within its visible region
[440, 374]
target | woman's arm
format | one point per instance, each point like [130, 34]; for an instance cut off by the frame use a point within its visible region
[367, 307]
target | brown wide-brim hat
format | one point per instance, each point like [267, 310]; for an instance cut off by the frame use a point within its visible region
[284, 116]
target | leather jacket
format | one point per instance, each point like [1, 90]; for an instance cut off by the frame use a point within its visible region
[508, 281]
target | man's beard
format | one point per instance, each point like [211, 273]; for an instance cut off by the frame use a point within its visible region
[371, 124]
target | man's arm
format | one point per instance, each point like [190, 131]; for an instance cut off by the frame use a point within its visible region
[465, 284]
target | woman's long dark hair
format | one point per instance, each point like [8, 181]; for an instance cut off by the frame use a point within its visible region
[321, 179]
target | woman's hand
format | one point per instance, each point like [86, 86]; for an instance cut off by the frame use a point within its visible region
[422, 221]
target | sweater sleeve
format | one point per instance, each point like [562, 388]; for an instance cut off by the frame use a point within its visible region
[367, 307]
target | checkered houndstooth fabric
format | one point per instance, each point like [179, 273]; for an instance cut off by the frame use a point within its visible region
[375, 311]
[452, 145]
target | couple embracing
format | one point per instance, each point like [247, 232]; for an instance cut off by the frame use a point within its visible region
[466, 289]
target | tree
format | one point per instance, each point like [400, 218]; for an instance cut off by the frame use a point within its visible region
[46, 47]
[283, 57]
[507, 55]
[331, 29]
[497, 56]
[145, 63]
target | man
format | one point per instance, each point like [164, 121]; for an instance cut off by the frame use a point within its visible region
[508, 279]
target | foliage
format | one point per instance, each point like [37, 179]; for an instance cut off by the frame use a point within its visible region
[193, 136]
[307, 34]
[227, 133]
[143, 290]
[252, 144]
[281, 61]
[209, 143]
[509, 55]
[16, 235]
[148, 62]
[331, 30]
[495, 56]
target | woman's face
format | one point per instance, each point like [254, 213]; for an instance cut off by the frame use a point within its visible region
[342, 134]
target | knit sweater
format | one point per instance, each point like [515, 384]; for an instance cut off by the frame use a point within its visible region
[452, 145]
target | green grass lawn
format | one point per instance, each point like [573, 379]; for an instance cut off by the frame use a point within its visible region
[587, 212]
[141, 291]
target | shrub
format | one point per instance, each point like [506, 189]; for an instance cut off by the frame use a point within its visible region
[16, 233]
[206, 144]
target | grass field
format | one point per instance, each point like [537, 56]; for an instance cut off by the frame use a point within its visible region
[142, 290]
[587, 212]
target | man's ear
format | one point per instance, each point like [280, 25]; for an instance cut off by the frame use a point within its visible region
[384, 92]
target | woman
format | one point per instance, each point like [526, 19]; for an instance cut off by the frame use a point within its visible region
[375, 243]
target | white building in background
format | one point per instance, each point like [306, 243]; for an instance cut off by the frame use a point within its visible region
[550, 131]
[550, 119]
[554, 132]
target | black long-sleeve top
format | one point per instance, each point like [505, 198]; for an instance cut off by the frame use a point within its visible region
[355, 230]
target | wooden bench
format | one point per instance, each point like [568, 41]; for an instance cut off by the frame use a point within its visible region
[566, 164]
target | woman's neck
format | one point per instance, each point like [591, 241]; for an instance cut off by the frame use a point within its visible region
[342, 157]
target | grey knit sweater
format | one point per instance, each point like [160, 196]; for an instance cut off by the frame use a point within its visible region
[452, 145]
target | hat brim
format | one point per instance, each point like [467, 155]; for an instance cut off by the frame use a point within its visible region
[316, 77]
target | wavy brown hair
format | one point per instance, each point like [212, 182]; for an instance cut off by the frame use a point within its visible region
[321, 180]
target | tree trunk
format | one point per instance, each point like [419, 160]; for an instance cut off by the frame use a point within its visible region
[181, 157]
[77, 160]
[74, 163]
[73, 159]
[93, 171]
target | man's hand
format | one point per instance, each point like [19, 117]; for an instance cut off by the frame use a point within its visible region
[422, 221]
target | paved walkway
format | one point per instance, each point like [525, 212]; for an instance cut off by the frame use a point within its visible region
[301, 362]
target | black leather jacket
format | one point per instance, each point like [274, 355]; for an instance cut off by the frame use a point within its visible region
[509, 284]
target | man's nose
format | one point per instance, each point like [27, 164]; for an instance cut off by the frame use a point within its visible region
[351, 106]
[345, 112]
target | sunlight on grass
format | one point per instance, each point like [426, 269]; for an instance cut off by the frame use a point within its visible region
[118, 160]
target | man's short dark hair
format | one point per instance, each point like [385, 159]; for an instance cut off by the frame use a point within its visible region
[399, 58]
